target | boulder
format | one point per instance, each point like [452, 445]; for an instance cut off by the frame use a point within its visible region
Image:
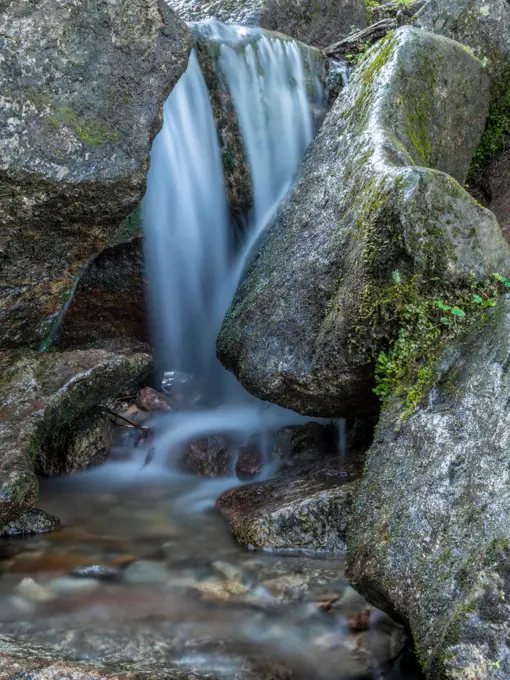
[430, 540]
[83, 87]
[378, 199]
[315, 22]
[483, 25]
[309, 510]
[49, 406]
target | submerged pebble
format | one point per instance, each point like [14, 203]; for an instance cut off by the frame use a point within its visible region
[146, 571]
[68, 586]
[96, 571]
[35, 592]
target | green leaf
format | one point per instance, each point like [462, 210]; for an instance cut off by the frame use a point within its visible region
[457, 311]
[444, 321]
[501, 279]
[489, 303]
[477, 299]
[442, 306]
[507, 284]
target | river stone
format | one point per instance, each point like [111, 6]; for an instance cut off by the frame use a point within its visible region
[483, 25]
[430, 538]
[307, 511]
[83, 86]
[208, 457]
[378, 191]
[32, 522]
[44, 399]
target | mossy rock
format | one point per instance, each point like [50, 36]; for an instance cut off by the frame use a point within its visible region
[430, 540]
[379, 192]
[482, 25]
[309, 510]
[50, 405]
[75, 136]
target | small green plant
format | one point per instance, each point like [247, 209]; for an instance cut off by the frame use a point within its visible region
[406, 367]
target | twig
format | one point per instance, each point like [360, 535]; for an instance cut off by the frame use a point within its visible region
[129, 422]
[374, 31]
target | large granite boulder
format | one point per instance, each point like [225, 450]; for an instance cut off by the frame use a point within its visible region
[430, 537]
[378, 199]
[316, 22]
[49, 405]
[83, 86]
[483, 25]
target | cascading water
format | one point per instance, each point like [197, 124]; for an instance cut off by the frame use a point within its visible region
[192, 265]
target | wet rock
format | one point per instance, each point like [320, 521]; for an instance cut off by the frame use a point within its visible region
[208, 40]
[146, 571]
[76, 138]
[70, 587]
[250, 460]
[32, 522]
[483, 26]
[315, 23]
[97, 572]
[430, 541]
[108, 302]
[44, 400]
[378, 192]
[308, 511]
[182, 390]
[35, 592]
[150, 400]
[208, 457]
[311, 441]
[220, 591]
[228, 571]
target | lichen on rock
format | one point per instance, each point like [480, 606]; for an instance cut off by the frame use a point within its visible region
[429, 541]
[379, 192]
[83, 87]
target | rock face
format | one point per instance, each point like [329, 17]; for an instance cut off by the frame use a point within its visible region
[430, 539]
[108, 304]
[482, 25]
[48, 405]
[318, 23]
[83, 87]
[32, 522]
[307, 511]
[378, 192]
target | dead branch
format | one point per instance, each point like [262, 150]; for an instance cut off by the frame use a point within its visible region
[372, 33]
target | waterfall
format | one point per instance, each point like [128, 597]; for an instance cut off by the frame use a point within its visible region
[193, 264]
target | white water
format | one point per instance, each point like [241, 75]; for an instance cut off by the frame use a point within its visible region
[192, 269]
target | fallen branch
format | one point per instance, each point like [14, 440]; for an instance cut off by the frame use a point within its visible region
[144, 428]
[372, 33]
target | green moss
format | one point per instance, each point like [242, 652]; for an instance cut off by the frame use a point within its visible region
[89, 132]
[496, 129]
